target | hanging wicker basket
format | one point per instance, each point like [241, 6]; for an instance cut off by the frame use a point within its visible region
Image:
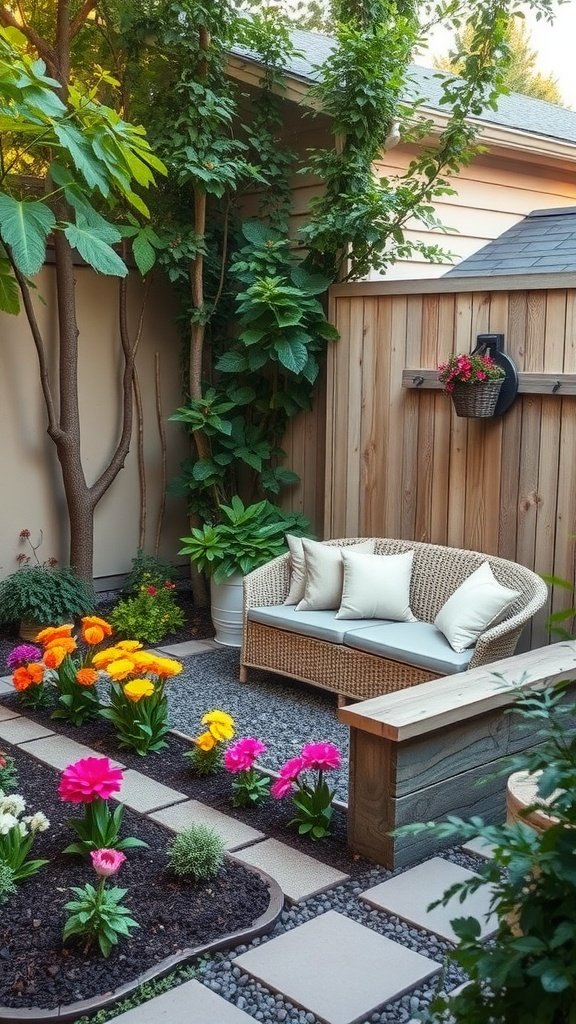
[475, 400]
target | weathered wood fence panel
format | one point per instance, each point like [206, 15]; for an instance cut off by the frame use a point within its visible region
[398, 460]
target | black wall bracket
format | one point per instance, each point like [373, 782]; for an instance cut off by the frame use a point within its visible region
[493, 345]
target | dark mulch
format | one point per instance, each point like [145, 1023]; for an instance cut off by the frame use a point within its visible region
[35, 970]
[170, 767]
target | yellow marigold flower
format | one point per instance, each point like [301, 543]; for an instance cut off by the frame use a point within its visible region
[138, 688]
[104, 658]
[86, 676]
[145, 662]
[168, 667]
[54, 633]
[220, 724]
[205, 741]
[121, 668]
[129, 645]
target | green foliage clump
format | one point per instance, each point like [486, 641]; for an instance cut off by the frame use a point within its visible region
[7, 884]
[8, 773]
[248, 537]
[149, 616]
[528, 971]
[196, 853]
[147, 570]
[45, 594]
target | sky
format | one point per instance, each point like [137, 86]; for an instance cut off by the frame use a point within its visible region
[555, 45]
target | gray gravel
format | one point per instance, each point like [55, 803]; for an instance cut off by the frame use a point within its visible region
[282, 713]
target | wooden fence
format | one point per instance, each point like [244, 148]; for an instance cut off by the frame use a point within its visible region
[399, 463]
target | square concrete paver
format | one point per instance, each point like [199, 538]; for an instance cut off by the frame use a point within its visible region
[7, 713]
[336, 968]
[409, 895]
[234, 833]
[480, 846]
[20, 730]
[189, 647]
[6, 684]
[60, 751]
[191, 1003]
[144, 794]
[298, 875]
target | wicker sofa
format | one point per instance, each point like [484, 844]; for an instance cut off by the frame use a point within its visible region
[277, 639]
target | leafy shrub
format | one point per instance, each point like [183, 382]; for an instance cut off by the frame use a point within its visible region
[149, 616]
[44, 593]
[147, 570]
[8, 773]
[196, 853]
[7, 883]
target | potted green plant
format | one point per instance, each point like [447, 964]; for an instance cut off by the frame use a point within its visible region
[246, 537]
[528, 971]
[42, 593]
[473, 381]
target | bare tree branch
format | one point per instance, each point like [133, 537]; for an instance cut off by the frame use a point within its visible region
[81, 16]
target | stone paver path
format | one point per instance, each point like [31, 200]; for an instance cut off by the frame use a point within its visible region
[337, 969]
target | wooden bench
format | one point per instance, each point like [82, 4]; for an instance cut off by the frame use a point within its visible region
[420, 754]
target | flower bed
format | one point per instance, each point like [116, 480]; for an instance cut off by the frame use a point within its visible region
[38, 971]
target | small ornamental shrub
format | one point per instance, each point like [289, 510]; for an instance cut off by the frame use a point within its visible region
[150, 615]
[7, 884]
[147, 570]
[8, 773]
[43, 591]
[197, 853]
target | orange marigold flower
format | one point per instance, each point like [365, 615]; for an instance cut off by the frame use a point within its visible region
[92, 635]
[205, 741]
[65, 643]
[86, 676]
[94, 620]
[28, 675]
[121, 668]
[45, 636]
[54, 656]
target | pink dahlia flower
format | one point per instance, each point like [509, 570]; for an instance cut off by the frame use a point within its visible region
[292, 768]
[22, 654]
[106, 862]
[241, 756]
[320, 756]
[90, 778]
[281, 788]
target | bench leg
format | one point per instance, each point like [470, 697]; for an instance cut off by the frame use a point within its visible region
[243, 674]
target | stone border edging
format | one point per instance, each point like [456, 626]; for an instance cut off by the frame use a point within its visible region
[70, 1012]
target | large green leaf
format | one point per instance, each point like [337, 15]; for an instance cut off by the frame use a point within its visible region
[84, 160]
[97, 253]
[258, 232]
[292, 355]
[144, 253]
[25, 226]
[9, 293]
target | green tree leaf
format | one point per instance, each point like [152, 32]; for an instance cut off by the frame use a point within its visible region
[25, 226]
[97, 253]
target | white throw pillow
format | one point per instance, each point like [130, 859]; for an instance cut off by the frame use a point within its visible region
[376, 586]
[298, 569]
[325, 574]
[480, 602]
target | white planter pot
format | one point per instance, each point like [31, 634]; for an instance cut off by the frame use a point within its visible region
[226, 610]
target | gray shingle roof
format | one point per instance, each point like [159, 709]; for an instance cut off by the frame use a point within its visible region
[514, 111]
[543, 243]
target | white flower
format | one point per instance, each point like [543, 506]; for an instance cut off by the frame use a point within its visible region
[38, 822]
[13, 804]
[23, 827]
[7, 822]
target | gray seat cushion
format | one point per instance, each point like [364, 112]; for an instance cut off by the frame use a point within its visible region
[322, 625]
[417, 643]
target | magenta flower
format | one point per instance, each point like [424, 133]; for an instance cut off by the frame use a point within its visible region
[320, 756]
[281, 788]
[292, 768]
[22, 654]
[106, 862]
[240, 757]
[90, 778]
